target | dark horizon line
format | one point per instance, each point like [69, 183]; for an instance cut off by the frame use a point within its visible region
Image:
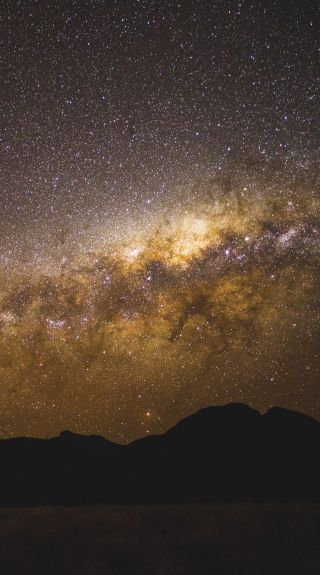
[69, 432]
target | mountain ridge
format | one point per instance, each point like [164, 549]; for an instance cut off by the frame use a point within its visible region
[229, 452]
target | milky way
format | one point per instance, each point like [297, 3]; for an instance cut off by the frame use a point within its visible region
[160, 213]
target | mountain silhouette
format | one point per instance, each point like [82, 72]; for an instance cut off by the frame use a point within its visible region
[227, 453]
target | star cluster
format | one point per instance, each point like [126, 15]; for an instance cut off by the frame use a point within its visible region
[160, 212]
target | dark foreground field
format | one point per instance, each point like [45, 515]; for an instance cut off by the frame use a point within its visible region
[250, 539]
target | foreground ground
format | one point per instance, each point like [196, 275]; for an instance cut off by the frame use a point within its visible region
[239, 539]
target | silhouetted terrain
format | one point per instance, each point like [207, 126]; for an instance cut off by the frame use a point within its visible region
[229, 453]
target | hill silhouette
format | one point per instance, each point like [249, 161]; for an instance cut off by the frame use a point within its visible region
[227, 453]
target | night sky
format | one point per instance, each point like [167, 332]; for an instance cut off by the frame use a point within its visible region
[160, 212]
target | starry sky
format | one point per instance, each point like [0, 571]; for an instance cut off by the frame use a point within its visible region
[160, 212]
